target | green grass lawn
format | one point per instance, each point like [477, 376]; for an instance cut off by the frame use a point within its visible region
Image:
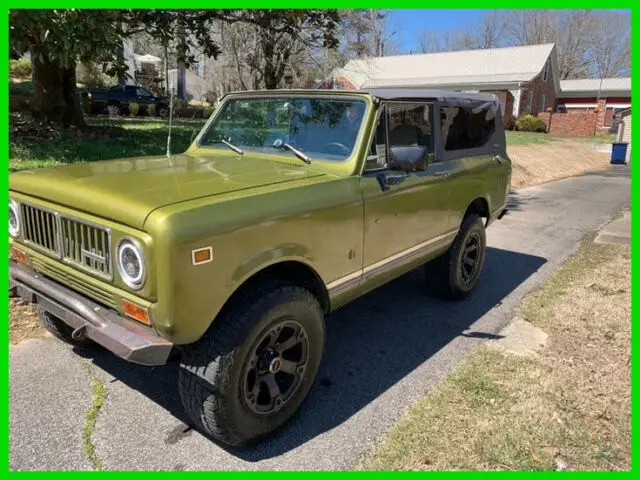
[527, 138]
[565, 407]
[107, 139]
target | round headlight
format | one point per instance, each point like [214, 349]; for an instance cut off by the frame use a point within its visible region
[131, 263]
[14, 219]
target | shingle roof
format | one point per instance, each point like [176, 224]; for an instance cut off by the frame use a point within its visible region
[593, 85]
[468, 67]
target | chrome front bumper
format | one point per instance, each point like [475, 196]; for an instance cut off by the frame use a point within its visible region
[121, 336]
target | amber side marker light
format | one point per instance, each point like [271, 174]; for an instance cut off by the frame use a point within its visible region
[202, 255]
[136, 312]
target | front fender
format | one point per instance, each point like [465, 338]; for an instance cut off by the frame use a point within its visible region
[318, 225]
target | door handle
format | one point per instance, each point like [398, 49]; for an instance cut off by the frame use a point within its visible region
[441, 174]
[498, 159]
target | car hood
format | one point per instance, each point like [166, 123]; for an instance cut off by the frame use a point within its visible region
[128, 190]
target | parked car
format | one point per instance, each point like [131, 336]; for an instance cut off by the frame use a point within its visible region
[288, 205]
[115, 101]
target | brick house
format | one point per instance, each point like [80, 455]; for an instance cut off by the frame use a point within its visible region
[610, 95]
[524, 78]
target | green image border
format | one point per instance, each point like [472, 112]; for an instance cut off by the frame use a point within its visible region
[398, 4]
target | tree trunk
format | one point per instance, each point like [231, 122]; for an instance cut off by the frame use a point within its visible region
[55, 98]
[166, 67]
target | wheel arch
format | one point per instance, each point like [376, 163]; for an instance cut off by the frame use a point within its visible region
[479, 206]
[294, 271]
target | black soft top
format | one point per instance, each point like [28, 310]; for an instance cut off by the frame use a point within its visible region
[424, 93]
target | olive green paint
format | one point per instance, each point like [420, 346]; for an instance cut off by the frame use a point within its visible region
[256, 210]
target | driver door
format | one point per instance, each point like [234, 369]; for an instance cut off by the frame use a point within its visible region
[406, 213]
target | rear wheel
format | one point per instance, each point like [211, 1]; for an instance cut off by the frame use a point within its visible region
[163, 111]
[454, 274]
[113, 110]
[252, 371]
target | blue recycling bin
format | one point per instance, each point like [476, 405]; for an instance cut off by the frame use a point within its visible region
[619, 152]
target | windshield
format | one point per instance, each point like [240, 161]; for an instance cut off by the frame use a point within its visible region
[321, 128]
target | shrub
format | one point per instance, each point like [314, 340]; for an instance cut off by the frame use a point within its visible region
[21, 88]
[151, 110]
[529, 123]
[207, 112]
[510, 122]
[134, 108]
[179, 103]
[93, 76]
[20, 68]
[211, 97]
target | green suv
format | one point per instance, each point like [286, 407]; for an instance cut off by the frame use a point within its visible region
[287, 205]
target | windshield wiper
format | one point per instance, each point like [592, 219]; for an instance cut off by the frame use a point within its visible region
[296, 152]
[232, 147]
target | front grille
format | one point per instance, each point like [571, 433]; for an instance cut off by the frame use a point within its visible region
[86, 246]
[81, 244]
[40, 228]
[98, 294]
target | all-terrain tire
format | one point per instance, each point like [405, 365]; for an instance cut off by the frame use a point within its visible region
[444, 276]
[212, 371]
[58, 328]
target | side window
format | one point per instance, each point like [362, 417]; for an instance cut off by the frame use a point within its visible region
[141, 92]
[466, 127]
[377, 154]
[410, 134]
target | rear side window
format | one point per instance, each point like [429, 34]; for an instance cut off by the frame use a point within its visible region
[466, 127]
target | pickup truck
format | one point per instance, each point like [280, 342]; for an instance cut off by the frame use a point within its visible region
[288, 205]
[115, 101]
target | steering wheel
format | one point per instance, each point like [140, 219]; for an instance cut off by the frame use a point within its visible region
[344, 150]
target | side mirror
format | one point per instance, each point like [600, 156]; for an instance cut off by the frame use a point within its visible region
[390, 178]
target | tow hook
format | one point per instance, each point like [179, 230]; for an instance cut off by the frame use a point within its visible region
[78, 333]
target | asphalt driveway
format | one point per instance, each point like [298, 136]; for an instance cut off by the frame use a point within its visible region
[384, 351]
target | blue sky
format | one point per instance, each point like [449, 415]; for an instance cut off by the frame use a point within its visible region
[409, 23]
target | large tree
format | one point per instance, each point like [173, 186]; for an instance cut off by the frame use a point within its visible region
[282, 35]
[58, 39]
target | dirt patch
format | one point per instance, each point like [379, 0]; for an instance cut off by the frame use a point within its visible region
[23, 322]
[539, 163]
[566, 408]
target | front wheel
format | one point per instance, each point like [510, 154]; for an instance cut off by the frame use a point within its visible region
[59, 329]
[252, 371]
[454, 274]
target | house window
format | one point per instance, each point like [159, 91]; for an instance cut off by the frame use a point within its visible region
[530, 101]
[543, 102]
[545, 73]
